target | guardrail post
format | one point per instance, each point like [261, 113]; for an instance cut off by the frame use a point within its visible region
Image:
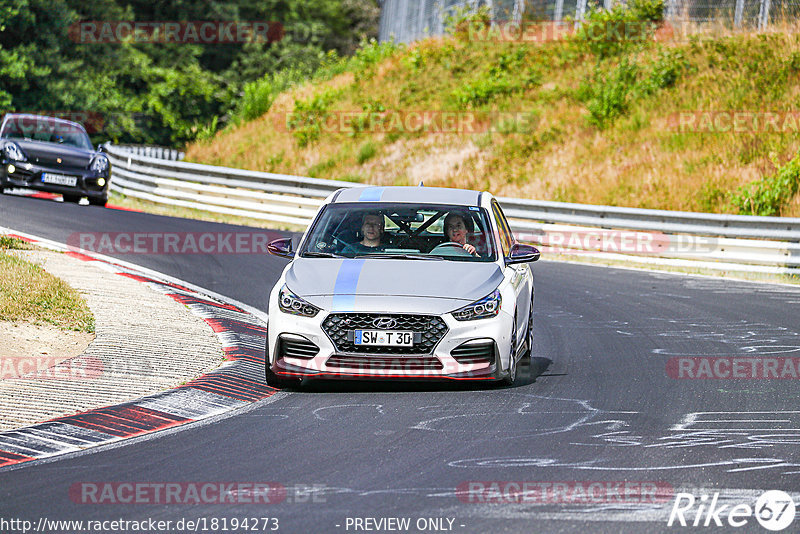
[519, 7]
[763, 14]
[737, 16]
[580, 12]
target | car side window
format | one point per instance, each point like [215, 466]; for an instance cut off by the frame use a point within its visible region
[506, 237]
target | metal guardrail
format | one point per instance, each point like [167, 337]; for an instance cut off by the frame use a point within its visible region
[158, 152]
[721, 242]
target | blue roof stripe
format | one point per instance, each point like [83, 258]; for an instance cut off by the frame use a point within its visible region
[371, 194]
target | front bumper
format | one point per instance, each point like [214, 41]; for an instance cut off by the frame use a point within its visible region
[444, 362]
[29, 176]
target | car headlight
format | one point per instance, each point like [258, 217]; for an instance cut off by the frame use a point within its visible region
[288, 302]
[99, 164]
[488, 306]
[14, 152]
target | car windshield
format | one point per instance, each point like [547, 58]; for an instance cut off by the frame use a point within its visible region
[47, 129]
[402, 231]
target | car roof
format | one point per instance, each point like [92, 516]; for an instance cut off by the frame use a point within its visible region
[432, 195]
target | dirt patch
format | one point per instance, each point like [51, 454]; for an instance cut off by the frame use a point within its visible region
[28, 347]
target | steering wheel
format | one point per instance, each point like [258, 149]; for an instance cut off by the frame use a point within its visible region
[450, 248]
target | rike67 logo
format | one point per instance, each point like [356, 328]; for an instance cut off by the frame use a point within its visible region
[774, 510]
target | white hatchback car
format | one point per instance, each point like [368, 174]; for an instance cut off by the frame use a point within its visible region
[402, 283]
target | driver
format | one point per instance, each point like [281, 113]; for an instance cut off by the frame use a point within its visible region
[372, 225]
[456, 231]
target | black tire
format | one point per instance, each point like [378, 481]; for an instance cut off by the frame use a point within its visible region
[74, 199]
[527, 356]
[511, 376]
[274, 380]
[98, 202]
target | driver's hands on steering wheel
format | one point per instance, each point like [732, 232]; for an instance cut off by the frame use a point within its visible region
[466, 246]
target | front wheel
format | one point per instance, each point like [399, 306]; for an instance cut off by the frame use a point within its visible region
[74, 199]
[529, 335]
[511, 377]
[98, 202]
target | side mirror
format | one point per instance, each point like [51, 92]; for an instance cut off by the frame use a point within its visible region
[521, 253]
[281, 247]
[102, 148]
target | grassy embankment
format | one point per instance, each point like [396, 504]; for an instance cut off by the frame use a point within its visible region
[30, 294]
[602, 118]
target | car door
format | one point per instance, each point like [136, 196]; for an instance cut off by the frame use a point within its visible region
[520, 275]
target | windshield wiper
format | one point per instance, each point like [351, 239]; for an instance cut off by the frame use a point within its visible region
[317, 254]
[389, 256]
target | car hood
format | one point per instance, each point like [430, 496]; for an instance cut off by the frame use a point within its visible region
[47, 154]
[312, 278]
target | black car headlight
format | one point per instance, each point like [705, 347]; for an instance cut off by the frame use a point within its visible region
[99, 165]
[288, 302]
[14, 152]
[488, 306]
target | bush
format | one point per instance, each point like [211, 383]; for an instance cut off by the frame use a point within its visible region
[464, 22]
[259, 94]
[607, 96]
[608, 32]
[505, 76]
[771, 194]
[308, 116]
[366, 152]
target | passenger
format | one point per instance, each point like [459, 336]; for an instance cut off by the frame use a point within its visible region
[456, 231]
[372, 225]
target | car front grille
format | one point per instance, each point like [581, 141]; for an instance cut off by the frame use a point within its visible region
[428, 331]
[297, 348]
[378, 363]
[473, 353]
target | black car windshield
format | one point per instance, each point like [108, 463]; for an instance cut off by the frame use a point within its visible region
[402, 231]
[47, 129]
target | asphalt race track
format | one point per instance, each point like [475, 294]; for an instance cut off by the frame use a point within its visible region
[601, 403]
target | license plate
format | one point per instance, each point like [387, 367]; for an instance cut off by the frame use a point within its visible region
[59, 179]
[386, 338]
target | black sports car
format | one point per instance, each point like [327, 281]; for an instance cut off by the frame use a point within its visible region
[54, 155]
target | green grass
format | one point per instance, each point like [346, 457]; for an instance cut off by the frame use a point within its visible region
[28, 293]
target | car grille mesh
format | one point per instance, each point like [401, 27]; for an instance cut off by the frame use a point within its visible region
[428, 331]
[472, 353]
